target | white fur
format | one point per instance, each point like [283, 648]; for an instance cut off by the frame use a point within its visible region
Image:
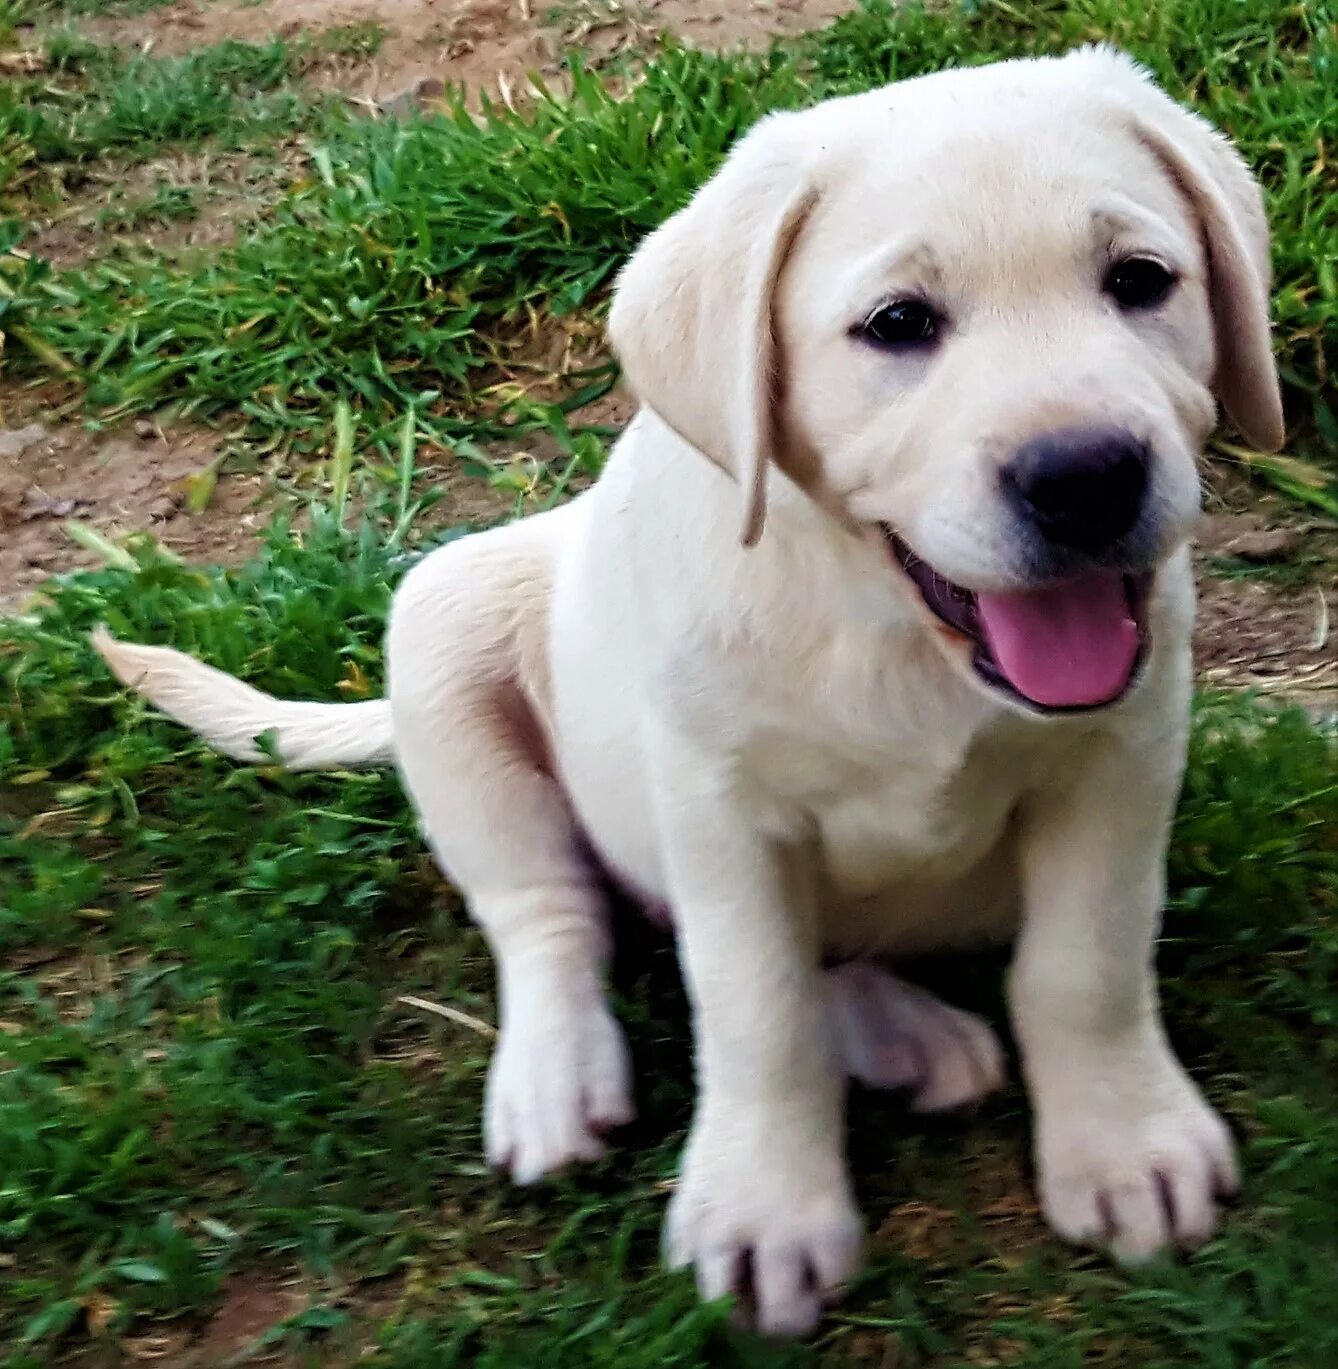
[232, 714]
[779, 742]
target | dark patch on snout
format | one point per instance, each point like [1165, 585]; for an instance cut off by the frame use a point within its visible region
[1080, 491]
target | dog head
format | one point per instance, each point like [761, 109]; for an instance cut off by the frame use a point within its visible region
[981, 317]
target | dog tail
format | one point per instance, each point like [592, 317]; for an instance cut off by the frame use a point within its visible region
[230, 715]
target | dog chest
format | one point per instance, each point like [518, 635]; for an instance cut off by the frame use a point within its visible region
[917, 826]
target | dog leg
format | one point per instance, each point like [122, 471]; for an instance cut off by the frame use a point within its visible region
[466, 655]
[895, 1035]
[1128, 1154]
[763, 1207]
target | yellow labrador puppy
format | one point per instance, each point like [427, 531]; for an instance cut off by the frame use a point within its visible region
[873, 638]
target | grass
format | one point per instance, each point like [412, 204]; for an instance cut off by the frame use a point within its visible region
[208, 1081]
[411, 246]
[209, 1075]
[167, 204]
[1288, 574]
[94, 102]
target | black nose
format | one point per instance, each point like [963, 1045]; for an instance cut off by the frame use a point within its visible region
[1082, 488]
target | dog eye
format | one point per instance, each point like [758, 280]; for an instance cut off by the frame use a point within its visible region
[1139, 283]
[903, 323]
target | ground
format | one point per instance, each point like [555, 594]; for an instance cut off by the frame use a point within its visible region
[288, 279]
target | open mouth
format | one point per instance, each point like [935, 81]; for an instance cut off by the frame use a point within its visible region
[1074, 644]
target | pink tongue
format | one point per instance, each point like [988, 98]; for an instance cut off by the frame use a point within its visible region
[1067, 646]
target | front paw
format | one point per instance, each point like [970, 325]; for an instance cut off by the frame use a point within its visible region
[559, 1080]
[1134, 1165]
[770, 1223]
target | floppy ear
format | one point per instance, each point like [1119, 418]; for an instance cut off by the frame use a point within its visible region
[1230, 208]
[692, 320]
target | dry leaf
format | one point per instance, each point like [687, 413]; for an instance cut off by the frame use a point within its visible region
[355, 681]
[25, 62]
[1263, 544]
[100, 1310]
[160, 1345]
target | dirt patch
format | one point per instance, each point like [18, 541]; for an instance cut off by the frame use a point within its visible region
[1265, 600]
[1003, 1201]
[113, 484]
[141, 479]
[482, 44]
[925, 1232]
[175, 203]
[250, 1307]
[1249, 634]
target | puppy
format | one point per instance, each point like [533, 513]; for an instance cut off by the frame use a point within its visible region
[872, 639]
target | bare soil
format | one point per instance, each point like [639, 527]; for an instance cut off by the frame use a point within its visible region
[97, 215]
[114, 484]
[1269, 634]
[481, 44]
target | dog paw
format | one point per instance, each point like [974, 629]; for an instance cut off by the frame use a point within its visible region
[894, 1035]
[559, 1080]
[1134, 1172]
[781, 1238]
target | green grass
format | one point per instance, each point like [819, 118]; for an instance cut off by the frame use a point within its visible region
[208, 1074]
[96, 103]
[92, 102]
[411, 246]
[167, 204]
[1289, 575]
